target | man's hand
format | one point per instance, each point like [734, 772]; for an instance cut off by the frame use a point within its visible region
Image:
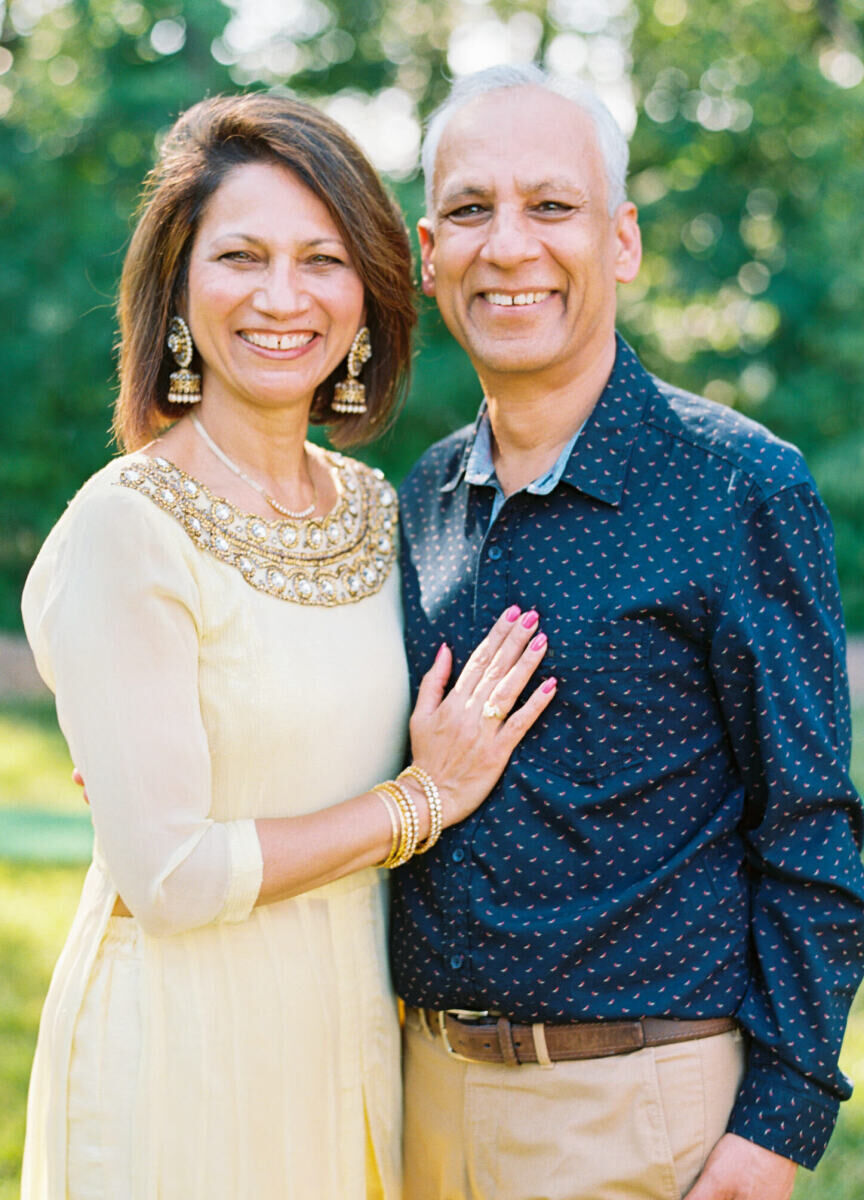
[740, 1170]
[76, 778]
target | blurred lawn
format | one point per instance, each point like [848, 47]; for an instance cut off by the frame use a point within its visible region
[37, 901]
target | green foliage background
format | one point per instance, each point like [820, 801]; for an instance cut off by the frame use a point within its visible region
[746, 164]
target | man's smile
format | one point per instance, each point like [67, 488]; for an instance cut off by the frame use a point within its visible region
[515, 299]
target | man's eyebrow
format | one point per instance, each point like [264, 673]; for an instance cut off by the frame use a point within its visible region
[466, 191]
[556, 183]
[528, 187]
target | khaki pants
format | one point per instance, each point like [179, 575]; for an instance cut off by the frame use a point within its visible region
[630, 1127]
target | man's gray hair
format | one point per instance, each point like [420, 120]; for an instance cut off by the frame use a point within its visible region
[610, 138]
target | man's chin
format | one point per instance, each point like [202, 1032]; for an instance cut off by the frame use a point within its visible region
[510, 360]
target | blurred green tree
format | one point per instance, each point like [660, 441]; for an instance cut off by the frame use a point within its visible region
[744, 164]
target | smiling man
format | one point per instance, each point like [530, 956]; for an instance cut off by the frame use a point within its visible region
[628, 974]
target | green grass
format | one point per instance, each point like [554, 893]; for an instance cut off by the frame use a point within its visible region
[36, 907]
[35, 771]
[37, 902]
[42, 816]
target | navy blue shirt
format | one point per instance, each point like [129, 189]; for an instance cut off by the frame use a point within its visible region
[678, 835]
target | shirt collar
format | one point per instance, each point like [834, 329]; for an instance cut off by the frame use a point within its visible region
[480, 469]
[596, 458]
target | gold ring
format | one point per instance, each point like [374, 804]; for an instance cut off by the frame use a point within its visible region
[492, 710]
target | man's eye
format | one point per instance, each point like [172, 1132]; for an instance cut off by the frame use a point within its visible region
[466, 210]
[553, 206]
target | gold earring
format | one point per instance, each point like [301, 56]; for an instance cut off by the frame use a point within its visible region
[349, 395]
[185, 385]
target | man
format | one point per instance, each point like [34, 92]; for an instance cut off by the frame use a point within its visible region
[675, 843]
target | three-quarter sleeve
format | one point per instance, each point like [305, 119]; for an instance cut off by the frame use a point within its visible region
[113, 614]
[778, 662]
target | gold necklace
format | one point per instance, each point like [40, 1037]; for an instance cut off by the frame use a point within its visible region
[232, 466]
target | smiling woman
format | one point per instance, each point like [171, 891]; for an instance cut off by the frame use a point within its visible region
[340, 188]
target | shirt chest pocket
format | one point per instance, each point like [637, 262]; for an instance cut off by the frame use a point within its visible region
[595, 725]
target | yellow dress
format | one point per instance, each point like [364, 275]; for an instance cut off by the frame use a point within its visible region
[211, 668]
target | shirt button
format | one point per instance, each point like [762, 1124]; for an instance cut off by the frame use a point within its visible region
[456, 961]
[495, 552]
[458, 854]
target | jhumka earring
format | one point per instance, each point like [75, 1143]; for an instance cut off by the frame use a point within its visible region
[185, 385]
[349, 396]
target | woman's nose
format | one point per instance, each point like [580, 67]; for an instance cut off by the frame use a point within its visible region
[281, 293]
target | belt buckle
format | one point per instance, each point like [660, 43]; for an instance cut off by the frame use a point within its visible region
[461, 1014]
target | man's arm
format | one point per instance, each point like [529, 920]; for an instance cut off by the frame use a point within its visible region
[778, 665]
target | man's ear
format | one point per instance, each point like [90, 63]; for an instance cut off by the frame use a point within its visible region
[629, 237]
[427, 255]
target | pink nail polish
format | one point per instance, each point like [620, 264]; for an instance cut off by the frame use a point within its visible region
[539, 642]
[530, 619]
[550, 685]
[441, 650]
[512, 613]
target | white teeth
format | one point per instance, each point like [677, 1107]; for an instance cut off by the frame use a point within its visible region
[277, 341]
[502, 298]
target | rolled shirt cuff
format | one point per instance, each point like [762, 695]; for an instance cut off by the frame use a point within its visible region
[246, 870]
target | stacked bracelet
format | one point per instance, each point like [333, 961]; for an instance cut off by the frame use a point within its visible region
[433, 799]
[409, 823]
[404, 819]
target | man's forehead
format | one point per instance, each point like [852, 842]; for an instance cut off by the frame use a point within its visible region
[528, 136]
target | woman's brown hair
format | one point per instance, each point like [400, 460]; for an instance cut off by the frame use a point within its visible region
[207, 142]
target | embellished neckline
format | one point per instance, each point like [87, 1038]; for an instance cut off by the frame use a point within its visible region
[338, 558]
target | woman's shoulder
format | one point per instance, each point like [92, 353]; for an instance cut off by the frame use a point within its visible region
[355, 475]
[108, 517]
[124, 489]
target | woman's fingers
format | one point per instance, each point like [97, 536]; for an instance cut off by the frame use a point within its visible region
[506, 691]
[431, 690]
[485, 653]
[521, 634]
[517, 725]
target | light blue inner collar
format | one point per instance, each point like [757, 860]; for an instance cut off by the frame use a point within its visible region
[480, 470]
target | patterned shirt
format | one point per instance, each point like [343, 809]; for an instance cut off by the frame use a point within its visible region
[678, 834]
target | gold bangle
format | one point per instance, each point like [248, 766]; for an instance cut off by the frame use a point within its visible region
[410, 821]
[395, 815]
[433, 800]
[398, 855]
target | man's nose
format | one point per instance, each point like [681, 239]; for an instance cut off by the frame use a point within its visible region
[281, 292]
[509, 239]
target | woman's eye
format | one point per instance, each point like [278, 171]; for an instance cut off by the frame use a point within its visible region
[324, 260]
[237, 256]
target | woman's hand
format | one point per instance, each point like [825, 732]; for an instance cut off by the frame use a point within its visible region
[455, 739]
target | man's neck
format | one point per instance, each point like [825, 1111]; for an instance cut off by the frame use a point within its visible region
[533, 420]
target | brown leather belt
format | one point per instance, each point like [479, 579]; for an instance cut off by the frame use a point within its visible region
[484, 1038]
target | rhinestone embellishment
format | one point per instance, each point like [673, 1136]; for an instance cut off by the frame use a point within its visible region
[339, 559]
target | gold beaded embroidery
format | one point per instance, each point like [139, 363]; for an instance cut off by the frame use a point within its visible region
[337, 559]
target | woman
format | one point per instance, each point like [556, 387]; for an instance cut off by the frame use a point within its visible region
[218, 615]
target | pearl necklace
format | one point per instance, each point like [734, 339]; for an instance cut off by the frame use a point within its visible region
[232, 466]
